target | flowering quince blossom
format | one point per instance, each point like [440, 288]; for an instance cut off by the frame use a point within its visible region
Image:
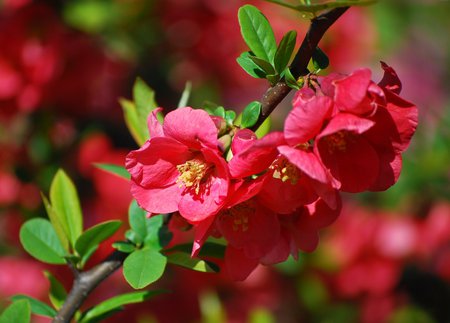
[180, 168]
[359, 128]
[344, 133]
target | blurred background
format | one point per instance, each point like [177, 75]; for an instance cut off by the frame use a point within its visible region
[65, 64]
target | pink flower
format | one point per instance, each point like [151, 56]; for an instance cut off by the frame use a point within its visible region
[180, 168]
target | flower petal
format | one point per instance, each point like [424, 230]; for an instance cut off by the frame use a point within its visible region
[191, 127]
[154, 126]
[304, 122]
[239, 266]
[352, 90]
[157, 200]
[390, 80]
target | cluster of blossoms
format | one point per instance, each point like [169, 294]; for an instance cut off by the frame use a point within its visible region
[344, 133]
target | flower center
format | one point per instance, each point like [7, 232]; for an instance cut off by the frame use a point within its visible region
[240, 214]
[337, 141]
[193, 173]
[285, 171]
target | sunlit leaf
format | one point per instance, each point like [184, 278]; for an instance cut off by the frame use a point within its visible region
[257, 32]
[143, 267]
[37, 307]
[56, 221]
[66, 204]
[39, 239]
[17, 312]
[250, 114]
[96, 234]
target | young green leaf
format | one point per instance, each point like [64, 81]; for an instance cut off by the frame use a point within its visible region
[116, 302]
[56, 222]
[320, 59]
[39, 239]
[219, 112]
[137, 219]
[66, 204]
[144, 99]
[57, 293]
[158, 235]
[114, 169]
[17, 312]
[284, 51]
[184, 260]
[257, 32]
[290, 80]
[143, 267]
[263, 64]
[124, 246]
[138, 132]
[230, 116]
[96, 234]
[250, 114]
[37, 307]
[249, 66]
[185, 95]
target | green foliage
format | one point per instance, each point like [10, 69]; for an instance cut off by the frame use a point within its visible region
[185, 260]
[57, 293]
[291, 81]
[66, 205]
[209, 249]
[320, 59]
[284, 51]
[39, 239]
[17, 312]
[96, 234]
[124, 246]
[257, 32]
[264, 65]
[136, 112]
[115, 304]
[322, 5]
[37, 307]
[249, 66]
[114, 169]
[143, 267]
[251, 114]
[56, 222]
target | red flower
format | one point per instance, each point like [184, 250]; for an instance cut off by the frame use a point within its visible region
[359, 128]
[180, 168]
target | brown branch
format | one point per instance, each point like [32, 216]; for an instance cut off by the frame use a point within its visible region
[87, 281]
[299, 67]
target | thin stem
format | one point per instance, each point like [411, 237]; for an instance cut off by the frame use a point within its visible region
[299, 67]
[86, 282]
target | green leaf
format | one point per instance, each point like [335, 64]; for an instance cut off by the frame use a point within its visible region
[144, 99]
[143, 267]
[230, 116]
[184, 260]
[250, 114]
[320, 59]
[117, 302]
[273, 79]
[133, 237]
[137, 219]
[96, 234]
[56, 222]
[17, 312]
[158, 235]
[37, 307]
[219, 112]
[39, 239]
[124, 246]
[257, 32]
[291, 81]
[284, 51]
[326, 5]
[65, 203]
[139, 133]
[86, 256]
[57, 293]
[263, 64]
[114, 169]
[264, 128]
[249, 66]
[185, 95]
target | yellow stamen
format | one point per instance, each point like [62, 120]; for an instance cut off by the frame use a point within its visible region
[285, 171]
[192, 174]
